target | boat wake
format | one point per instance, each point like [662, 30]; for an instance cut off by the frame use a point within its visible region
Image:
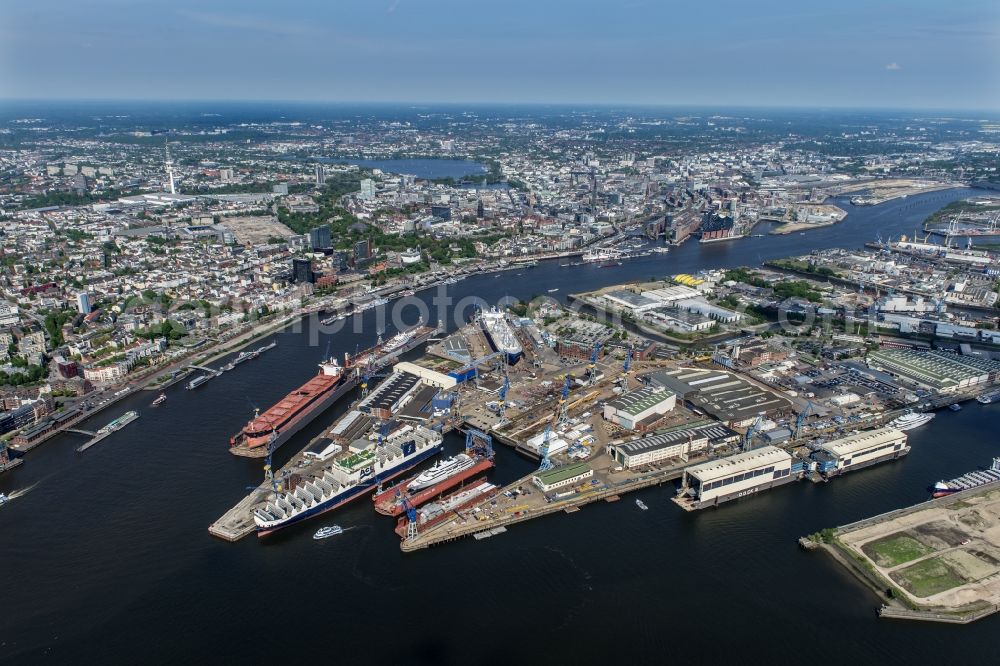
[21, 492]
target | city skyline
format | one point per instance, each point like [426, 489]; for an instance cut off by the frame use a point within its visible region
[776, 54]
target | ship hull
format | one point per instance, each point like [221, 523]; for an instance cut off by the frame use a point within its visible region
[386, 504]
[298, 422]
[354, 492]
[402, 525]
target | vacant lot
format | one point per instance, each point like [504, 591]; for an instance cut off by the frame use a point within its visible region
[256, 229]
[928, 577]
[895, 549]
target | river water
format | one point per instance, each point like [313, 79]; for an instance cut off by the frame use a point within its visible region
[107, 556]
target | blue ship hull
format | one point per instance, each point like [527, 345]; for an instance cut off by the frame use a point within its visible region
[354, 492]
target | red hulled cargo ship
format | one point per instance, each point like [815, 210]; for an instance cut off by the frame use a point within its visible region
[430, 483]
[292, 412]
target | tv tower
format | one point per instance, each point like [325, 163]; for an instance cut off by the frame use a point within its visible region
[170, 166]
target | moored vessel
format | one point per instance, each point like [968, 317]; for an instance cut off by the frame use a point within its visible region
[910, 420]
[436, 512]
[968, 481]
[266, 432]
[198, 381]
[354, 472]
[114, 426]
[499, 335]
[989, 397]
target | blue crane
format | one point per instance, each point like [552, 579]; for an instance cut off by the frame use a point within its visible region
[543, 451]
[627, 367]
[502, 404]
[563, 414]
[411, 518]
[592, 371]
[801, 418]
[478, 443]
[751, 431]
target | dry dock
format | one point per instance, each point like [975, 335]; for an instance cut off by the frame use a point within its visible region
[514, 505]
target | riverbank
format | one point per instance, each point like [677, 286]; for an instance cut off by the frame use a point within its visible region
[935, 561]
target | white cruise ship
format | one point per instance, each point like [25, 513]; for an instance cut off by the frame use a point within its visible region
[499, 335]
[910, 420]
[440, 471]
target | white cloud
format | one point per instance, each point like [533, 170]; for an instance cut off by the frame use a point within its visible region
[893, 66]
[247, 22]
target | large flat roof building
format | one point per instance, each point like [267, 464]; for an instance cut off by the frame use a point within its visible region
[628, 410]
[722, 395]
[717, 481]
[675, 443]
[865, 448]
[935, 369]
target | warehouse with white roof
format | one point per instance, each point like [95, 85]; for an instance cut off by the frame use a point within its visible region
[865, 448]
[717, 481]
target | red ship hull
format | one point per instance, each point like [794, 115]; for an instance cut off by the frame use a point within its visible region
[388, 503]
[402, 523]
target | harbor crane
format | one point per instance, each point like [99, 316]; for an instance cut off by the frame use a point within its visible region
[627, 367]
[801, 418]
[563, 414]
[592, 370]
[478, 443]
[545, 464]
[751, 431]
[502, 403]
[411, 518]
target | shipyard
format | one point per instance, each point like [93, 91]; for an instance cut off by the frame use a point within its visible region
[602, 410]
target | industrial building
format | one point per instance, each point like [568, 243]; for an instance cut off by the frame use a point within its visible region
[717, 481]
[390, 395]
[938, 370]
[722, 395]
[559, 477]
[645, 404]
[675, 443]
[862, 449]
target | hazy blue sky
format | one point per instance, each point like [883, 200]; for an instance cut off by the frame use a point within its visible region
[905, 53]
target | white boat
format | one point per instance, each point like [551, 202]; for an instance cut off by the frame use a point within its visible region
[910, 420]
[499, 335]
[642, 505]
[440, 471]
[552, 291]
[328, 531]
[601, 255]
[3, 499]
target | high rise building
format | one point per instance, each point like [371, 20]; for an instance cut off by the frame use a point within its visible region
[367, 189]
[320, 175]
[319, 238]
[363, 250]
[83, 302]
[442, 212]
[302, 271]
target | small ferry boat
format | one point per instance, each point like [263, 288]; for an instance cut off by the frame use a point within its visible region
[328, 531]
[160, 399]
[642, 505]
[3, 499]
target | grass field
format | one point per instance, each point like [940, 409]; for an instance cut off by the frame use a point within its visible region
[929, 577]
[895, 549]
